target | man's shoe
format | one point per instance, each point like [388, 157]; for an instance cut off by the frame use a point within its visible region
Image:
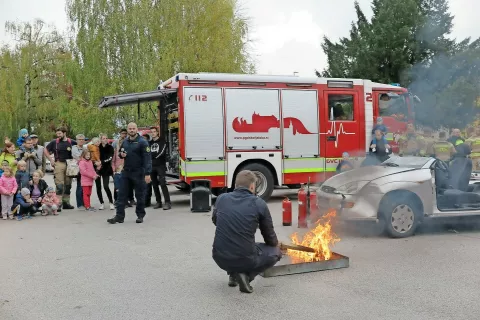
[129, 204]
[244, 283]
[232, 281]
[133, 203]
[114, 220]
[139, 220]
[158, 205]
[68, 206]
[167, 206]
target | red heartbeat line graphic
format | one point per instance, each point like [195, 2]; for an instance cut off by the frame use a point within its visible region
[333, 130]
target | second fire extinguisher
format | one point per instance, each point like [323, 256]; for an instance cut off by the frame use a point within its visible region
[302, 208]
[287, 212]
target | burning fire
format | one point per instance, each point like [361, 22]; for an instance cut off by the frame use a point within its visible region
[320, 238]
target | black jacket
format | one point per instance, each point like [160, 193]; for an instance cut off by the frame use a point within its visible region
[138, 155]
[237, 215]
[106, 156]
[42, 185]
[158, 149]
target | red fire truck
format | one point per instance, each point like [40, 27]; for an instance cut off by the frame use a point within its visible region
[286, 129]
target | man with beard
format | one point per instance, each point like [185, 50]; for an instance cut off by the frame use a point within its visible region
[61, 148]
[237, 215]
[137, 167]
[158, 149]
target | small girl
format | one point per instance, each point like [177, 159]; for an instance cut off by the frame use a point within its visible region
[88, 176]
[344, 164]
[94, 149]
[22, 175]
[37, 187]
[379, 139]
[8, 188]
[50, 203]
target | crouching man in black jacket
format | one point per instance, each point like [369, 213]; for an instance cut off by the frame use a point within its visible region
[237, 215]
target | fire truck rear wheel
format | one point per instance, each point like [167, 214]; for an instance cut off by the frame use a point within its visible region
[265, 181]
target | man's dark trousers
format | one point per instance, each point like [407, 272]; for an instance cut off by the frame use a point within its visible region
[267, 257]
[131, 179]
[158, 179]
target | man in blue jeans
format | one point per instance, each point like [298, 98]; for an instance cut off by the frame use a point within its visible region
[237, 215]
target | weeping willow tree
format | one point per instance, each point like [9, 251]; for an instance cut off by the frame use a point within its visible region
[121, 46]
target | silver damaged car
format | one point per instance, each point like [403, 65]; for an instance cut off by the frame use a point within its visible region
[400, 192]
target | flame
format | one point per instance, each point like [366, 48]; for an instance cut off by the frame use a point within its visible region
[320, 238]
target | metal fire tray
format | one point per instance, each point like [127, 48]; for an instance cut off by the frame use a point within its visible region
[285, 266]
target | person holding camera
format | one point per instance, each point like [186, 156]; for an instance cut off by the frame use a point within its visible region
[28, 154]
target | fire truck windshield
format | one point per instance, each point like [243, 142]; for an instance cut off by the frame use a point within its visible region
[393, 105]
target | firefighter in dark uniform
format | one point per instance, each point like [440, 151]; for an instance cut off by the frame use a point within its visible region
[136, 173]
[237, 215]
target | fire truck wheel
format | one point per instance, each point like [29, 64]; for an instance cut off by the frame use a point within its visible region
[401, 218]
[265, 181]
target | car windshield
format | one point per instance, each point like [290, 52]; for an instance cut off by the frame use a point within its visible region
[405, 162]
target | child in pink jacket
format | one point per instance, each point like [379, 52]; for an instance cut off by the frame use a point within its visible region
[88, 174]
[50, 202]
[8, 188]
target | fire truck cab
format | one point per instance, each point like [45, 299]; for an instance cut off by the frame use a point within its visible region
[287, 129]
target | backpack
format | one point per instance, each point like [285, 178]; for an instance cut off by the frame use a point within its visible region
[72, 165]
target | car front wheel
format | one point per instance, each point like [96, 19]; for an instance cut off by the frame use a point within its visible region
[401, 219]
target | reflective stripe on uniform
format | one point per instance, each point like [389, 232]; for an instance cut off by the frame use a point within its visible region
[205, 168]
[301, 165]
[389, 136]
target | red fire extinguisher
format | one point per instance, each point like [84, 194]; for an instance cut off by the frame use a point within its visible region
[313, 205]
[302, 208]
[287, 212]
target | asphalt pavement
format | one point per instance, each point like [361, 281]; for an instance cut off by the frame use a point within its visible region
[77, 266]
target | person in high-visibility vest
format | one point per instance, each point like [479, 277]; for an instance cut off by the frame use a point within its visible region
[429, 139]
[474, 144]
[411, 143]
[442, 149]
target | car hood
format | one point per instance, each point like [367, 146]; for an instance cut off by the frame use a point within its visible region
[363, 174]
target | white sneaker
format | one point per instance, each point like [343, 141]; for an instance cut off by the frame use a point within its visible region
[102, 207]
[112, 207]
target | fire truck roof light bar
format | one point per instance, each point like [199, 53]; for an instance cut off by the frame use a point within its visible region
[340, 84]
[285, 266]
[134, 98]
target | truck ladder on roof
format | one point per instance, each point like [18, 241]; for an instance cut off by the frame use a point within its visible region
[134, 98]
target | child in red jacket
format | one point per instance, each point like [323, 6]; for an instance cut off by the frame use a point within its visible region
[88, 176]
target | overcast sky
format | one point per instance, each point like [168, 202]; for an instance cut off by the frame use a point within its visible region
[287, 34]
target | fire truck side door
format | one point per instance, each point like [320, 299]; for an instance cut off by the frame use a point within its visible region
[340, 119]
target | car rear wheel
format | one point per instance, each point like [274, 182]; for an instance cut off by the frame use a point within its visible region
[401, 219]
